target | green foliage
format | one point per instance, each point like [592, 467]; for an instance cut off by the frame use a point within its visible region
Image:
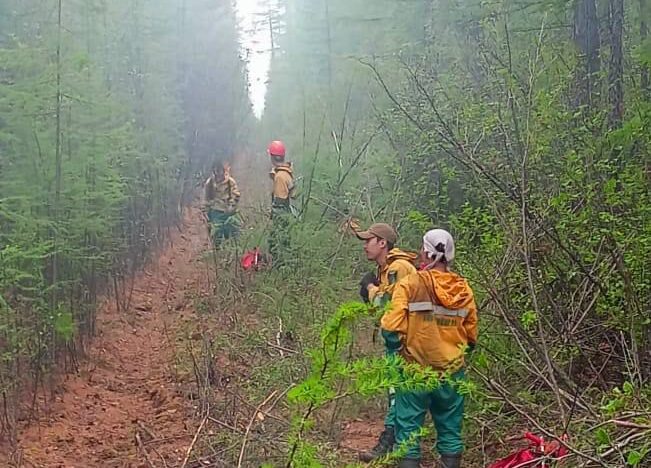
[367, 377]
[64, 325]
[602, 437]
[94, 164]
[635, 457]
[478, 128]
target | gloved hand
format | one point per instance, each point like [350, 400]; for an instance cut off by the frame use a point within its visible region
[368, 279]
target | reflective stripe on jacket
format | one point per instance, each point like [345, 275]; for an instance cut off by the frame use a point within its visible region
[434, 316]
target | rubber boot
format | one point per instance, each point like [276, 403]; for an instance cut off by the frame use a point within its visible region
[451, 460]
[384, 445]
[409, 463]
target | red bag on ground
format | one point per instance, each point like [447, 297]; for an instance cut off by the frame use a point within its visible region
[515, 459]
[250, 259]
[537, 449]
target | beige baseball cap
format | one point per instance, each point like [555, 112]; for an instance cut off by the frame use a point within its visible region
[381, 230]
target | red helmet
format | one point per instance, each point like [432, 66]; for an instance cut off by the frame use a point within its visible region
[276, 148]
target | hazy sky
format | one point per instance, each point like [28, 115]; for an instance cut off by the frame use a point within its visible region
[256, 43]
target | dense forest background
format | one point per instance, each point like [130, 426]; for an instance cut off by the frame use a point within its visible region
[523, 127]
[109, 110]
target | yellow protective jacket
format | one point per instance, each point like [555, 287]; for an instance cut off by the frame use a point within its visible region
[399, 265]
[433, 318]
[283, 183]
[221, 195]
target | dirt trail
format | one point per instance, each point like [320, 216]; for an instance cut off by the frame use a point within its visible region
[126, 408]
[126, 398]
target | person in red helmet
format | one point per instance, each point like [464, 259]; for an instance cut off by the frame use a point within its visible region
[282, 176]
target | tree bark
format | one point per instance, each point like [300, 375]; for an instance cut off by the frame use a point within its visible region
[644, 32]
[57, 161]
[327, 24]
[586, 37]
[616, 67]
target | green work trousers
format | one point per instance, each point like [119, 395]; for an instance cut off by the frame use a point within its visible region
[279, 239]
[222, 225]
[380, 302]
[444, 403]
[390, 418]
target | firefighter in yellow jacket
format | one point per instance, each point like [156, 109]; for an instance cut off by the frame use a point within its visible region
[432, 322]
[282, 176]
[392, 265]
[221, 196]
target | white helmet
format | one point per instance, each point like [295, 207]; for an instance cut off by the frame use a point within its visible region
[439, 245]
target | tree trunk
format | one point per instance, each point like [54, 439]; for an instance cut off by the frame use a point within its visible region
[616, 67]
[586, 37]
[329, 39]
[644, 31]
[57, 162]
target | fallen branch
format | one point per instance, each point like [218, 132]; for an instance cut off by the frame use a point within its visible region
[278, 336]
[141, 447]
[194, 441]
[621, 423]
[146, 430]
[264, 412]
[279, 397]
[248, 427]
[620, 445]
[226, 425]
[506, 397]
[282, 348]
[159, 456]
[537, 461]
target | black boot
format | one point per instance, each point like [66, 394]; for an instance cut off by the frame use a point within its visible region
[409, 463]
[384, 446]
[451, 460]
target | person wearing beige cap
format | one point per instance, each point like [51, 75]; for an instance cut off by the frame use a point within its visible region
[392, 265]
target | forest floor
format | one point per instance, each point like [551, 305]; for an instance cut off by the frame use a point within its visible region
[132, 404]
[125, 407]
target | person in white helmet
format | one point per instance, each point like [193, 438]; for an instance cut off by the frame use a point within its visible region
[432, 323]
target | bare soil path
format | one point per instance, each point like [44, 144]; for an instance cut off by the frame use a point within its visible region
[125, 408]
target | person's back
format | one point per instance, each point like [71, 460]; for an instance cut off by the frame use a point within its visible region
[432, 322]
[440, 319]
[282, 176]
[283, 185]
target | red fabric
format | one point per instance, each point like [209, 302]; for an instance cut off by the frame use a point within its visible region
[250, 259]
[537, 449]
[515, 459]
